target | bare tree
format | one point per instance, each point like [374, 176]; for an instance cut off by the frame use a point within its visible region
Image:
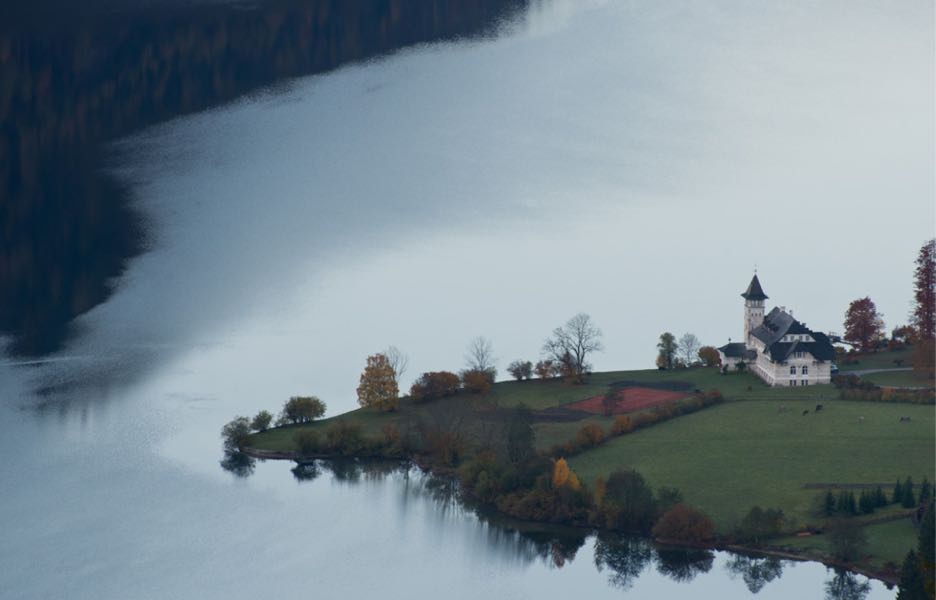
[689, 348]
[480, 356]
[398, 360]
[572, 343]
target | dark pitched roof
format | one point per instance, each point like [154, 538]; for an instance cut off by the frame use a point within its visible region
[733, 350]
[777, 324]
[754, 290]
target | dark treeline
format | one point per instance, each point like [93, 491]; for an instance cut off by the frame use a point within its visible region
[71, 79]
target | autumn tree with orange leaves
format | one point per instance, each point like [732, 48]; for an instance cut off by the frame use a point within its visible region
[378, 386]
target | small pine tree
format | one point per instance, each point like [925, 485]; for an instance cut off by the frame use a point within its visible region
[897, 497]
[908, 500]
[852, 505]
[925, 492]
[866, 502]
[880, 498]
[912, 585]
[841, 505]
[829, 505]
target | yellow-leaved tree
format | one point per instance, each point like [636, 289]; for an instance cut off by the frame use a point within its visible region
[378, 385]
[563, 476]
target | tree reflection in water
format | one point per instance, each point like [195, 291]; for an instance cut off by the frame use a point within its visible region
[238, 463]
[756, 572]
[846, 586]
[684, 564]
[625, 557]
[307, 471]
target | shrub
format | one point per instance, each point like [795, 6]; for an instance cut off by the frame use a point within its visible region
[476, 381]
[760, 523]
[847, 538]
[306, 442]
[520, 369]
[434, 385]
[589, 436]
[685, 524]
[622, 424]
[344, 438]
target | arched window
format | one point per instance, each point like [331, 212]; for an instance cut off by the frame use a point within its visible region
[792, 370]
[805, 370]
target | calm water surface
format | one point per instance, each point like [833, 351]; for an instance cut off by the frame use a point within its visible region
[487, 173]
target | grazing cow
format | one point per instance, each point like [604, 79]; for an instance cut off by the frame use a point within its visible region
[818, 407]
[805, 412]
[861, 419]
[904, 419]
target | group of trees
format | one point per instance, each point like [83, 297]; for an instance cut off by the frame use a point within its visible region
[686, 352]
[918, 572]
[864, 324]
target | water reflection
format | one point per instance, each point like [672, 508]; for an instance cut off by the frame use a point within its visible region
[75, 78]
[238, 464]
[846, 586]
[626, 558]
[755, 571]
[308, 471]
[684, 564]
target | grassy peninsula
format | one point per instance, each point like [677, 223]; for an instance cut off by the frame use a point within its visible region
[754, 446]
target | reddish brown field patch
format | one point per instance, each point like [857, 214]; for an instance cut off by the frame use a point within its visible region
[627, 400]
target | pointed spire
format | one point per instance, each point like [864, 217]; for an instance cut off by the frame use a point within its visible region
[754, 290]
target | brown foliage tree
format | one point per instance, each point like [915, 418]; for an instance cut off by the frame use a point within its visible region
[546, 369]
[589, 436]
[863, 324]
[709, 356]
[378, 386]
[475, 381]
[685, 524]
[435, 385]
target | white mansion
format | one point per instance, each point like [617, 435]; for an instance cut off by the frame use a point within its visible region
[778, 348]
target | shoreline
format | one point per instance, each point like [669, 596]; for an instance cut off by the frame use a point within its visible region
[887, 577]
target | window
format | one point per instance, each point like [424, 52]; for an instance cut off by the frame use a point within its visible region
[792, 382]
[792, 369]
[805, 382]
[805, 370]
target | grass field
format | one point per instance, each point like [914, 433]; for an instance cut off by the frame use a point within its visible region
[899, 379]
[539, 395]
[729, 458]
[888, 542]
[878, 360]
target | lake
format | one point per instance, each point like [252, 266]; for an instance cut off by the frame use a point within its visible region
[210, 207]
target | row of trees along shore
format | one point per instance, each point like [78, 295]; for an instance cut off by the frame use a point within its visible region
[492, 450]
